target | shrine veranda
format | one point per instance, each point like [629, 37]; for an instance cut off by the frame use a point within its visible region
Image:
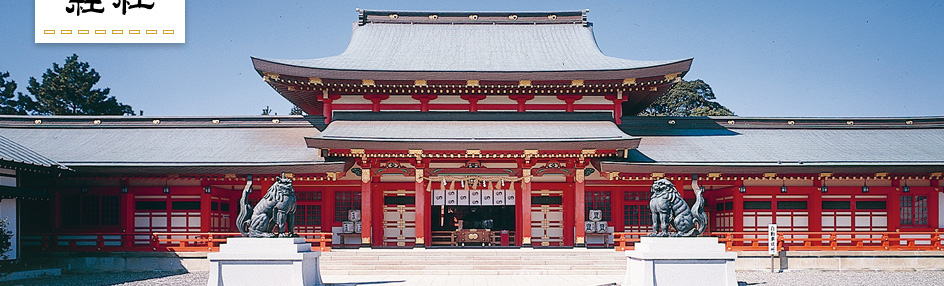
[513, 126]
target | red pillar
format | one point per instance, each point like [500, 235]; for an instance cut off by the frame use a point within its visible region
[816, 206]
[327, 207]
[424, 100]
[205, 212]
[420, 204]
[366, 221]
[127, 216]
[375, 100]
[521, 99]
[376, 211]
[894, 207]
[568, 205]
[524, 207]
[934, 206]
[328, 110]
[579, 203]
[570, 99]
[473, 101]
[618, 100]
[617, 206]
[738, 207]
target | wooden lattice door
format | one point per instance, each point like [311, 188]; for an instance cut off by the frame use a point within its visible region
[399, 218]
[547, 218]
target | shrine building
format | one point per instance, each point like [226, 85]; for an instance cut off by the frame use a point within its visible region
[452, 129]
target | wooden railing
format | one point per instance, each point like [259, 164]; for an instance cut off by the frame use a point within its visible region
[115, 241]
[210, 241]
[625, 240]
[158, 241]
[813, 241]
[447, 238]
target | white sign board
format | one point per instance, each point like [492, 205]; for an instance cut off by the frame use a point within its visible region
[452, 197]
[498, 198]
[125, 21]
[439, 197]
[463, 198]
[772, 239]
[487, 197]
[475, 198]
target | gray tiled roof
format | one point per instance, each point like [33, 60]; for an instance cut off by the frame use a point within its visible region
[195, 143]
[493, 48]
[462, 135]
[800, 145]
[795, 146]
[11, 151]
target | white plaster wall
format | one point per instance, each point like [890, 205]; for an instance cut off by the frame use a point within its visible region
[940, 210]
[8, 212]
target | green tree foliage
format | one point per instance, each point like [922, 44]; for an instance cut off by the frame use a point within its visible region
[6, 239]
[267, 111]
[9, 104]
[67, 90]
[296, 111]
[687, 98]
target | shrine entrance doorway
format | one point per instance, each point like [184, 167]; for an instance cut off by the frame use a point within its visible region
[473, 218]
[489, 226]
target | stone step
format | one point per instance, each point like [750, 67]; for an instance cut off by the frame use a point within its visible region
[383, 252]
[478, 272]
[472, 267]
[494, 261]
[461, 258]
[474, 262]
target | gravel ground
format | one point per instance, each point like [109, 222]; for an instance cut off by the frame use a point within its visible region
[117, 278]
[839, 278]
[805, 278]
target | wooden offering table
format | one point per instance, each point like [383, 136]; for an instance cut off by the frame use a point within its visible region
[345, 240]
[463, 236]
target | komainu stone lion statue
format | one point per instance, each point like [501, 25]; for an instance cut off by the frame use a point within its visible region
[274, 214]
[669, 209]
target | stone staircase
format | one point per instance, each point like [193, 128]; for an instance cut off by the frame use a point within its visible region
[473, 262]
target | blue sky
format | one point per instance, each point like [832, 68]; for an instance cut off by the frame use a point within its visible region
[763, 58]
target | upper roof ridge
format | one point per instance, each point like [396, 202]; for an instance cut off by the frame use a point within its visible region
[472, 17]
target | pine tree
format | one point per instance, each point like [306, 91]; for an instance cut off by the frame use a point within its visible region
[67, 90]
[687, 98]
[9, 104]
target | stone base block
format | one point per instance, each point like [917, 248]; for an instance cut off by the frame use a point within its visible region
[680, 261]
[264, 261]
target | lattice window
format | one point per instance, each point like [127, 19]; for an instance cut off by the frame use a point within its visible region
[109, 210]
[90, 210]
[636, 196]
[857, 215]
[308, 215]
[637, 217]
[723, 215]
[599, 200]
[308, 196]
[220, 218]
[914, 211]
[344, 201]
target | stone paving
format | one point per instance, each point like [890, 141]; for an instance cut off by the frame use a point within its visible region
[805, 278]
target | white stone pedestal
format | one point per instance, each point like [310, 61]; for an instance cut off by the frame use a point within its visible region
[679, 261]
[265, 261]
